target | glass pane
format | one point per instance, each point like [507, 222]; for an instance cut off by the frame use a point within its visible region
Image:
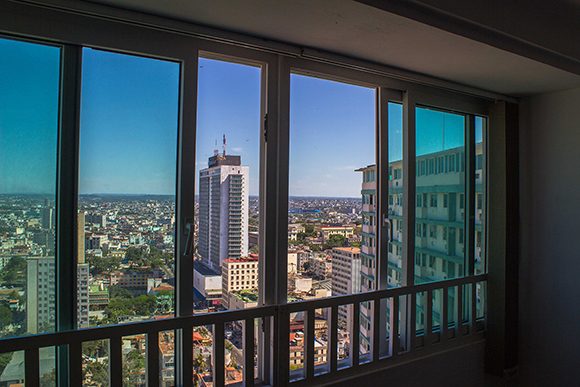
[480, 195]
[29, 99]
[127, 178]
[395, 181]
[227, 201]
[440, 220]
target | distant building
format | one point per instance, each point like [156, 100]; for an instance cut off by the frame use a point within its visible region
[41, 294]
[238, 274]
[207, 284]
[328, 231]
[294, 230]
[346, 278]
[223, 210]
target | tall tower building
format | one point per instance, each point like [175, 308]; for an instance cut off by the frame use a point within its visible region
[82, 275]
[223, 210]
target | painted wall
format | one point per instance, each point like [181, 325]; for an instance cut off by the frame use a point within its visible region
[549, 312]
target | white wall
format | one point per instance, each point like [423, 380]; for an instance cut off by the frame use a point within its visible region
[549, 313]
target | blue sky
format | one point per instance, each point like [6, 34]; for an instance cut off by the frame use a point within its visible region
[29, 78]
[129, 124]
[129, 120]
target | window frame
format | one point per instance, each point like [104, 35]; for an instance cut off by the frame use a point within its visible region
[135, 39]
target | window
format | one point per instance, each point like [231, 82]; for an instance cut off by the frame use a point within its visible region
[125, 225]
[330, 166]
[441, 134]
[134, 117]
[29, 108]
[433, 200]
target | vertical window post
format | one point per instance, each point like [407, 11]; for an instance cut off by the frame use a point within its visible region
[66, 201]
[408, 312]
[184, 215]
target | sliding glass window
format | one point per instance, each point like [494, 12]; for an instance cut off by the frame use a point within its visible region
[29, 107]
[227, 207]
[127, 169]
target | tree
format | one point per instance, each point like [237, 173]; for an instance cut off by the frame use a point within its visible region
[5, 315]
[105, 264]
[334, 241]
[134, 368]
[116, 291]
[199, 366]
[14, 273]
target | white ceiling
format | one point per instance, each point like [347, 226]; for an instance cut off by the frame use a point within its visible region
[356, 30]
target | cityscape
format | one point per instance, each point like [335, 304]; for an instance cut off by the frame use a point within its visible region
[126, 264]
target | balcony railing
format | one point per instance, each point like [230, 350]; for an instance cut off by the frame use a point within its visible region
[409, 341]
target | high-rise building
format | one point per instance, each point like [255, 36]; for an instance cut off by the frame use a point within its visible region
[223, 210]
[41, 294]
[346, 278]
[82, 275]
[439, 228]
[47, 218]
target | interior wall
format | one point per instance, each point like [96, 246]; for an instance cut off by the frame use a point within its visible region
[460, 367]
[549, 283]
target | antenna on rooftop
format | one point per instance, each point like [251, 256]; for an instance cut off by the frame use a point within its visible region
[215, 149]
[224, 145]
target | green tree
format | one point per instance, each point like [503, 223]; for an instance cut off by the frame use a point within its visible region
[133, 368]
[334, 241]
[104, 264]
[14, 273]
[5, 315]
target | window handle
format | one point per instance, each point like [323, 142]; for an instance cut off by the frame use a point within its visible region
[389, 224]
[188, 230]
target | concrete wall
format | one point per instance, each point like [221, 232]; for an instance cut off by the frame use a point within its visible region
[549, 313]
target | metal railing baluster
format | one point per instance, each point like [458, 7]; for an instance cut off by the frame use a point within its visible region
[376, 329]
[249, 327]
[333, 341]
[219, 371]
[31, 367]
[394, 344]
[428, 318]
[443, 330]
[115, 361]
[473, 308]
[459, 321]
[153, 358]
[75, 363]
[309, 338]
[355, 334]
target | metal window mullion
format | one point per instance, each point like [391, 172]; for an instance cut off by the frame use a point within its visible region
[408, 315]
[184, 214]
[382, 187]
[276, 230]
[469, 267]
[67, 199]
[382, 256]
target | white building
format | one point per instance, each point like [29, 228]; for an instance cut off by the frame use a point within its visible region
[41, 294]
[346, 278]
[223, 210]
